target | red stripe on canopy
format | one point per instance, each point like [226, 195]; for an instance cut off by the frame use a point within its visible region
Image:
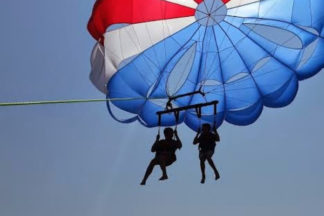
[109, 12]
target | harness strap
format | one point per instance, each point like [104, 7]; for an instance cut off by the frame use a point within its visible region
[198, 111]
[177, 118]
[159, 124]
[215, 114]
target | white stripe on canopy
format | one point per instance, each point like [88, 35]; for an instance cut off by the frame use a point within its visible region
[237, 3]
[126, 42]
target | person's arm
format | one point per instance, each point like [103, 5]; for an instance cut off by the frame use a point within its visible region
[154, 146]
[196, 139]
[179, 143]
[216, 135]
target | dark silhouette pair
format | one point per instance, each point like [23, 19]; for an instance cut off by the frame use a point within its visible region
[165, 151]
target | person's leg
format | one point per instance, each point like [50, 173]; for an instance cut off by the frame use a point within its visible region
[149, 170]
[162, 163]
[202, 159]
[211, 163]
[202, 167]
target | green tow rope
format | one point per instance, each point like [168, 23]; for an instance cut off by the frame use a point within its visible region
[30, 103]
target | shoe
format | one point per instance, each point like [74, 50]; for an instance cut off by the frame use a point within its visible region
[163, 178]
[202, 180]
[217, 177]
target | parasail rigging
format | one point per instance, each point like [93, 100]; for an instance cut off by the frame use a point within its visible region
[176, 111]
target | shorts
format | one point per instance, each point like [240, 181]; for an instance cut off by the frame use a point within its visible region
[203, 155]
[166, 158]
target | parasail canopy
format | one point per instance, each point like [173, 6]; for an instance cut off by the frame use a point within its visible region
[246, 54]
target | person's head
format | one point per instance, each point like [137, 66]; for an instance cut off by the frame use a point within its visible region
[168, 133]
[206, 128]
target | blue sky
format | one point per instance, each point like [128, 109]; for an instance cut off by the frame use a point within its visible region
[74, 160]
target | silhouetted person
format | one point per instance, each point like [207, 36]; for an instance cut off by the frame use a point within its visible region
[207, 141]
[164, 153]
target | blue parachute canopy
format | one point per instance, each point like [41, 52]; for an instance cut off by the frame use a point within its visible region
[246, 54]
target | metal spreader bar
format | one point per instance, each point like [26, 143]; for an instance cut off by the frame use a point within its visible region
[177, 111]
